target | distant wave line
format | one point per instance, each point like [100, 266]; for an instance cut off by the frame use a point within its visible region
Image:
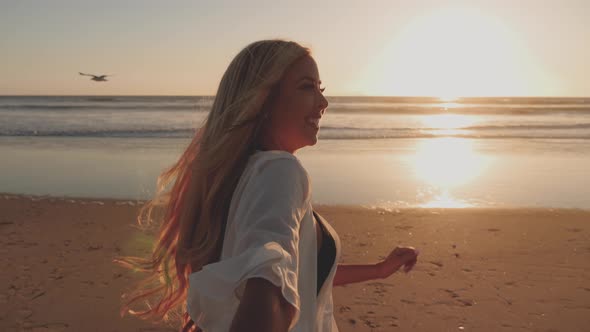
[486, 127]
[418, 110]
[335, 134]
[179, 133]
[336, 108]
[105, 107]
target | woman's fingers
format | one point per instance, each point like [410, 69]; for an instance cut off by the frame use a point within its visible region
[409, 265]
[401, 257]
[406, 252]
[412, 259]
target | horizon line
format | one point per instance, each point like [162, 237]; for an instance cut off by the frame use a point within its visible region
[329, 96]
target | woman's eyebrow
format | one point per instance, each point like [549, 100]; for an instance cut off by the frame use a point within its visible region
[309, 78]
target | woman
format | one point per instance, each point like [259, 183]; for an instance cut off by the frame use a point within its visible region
[240, 244]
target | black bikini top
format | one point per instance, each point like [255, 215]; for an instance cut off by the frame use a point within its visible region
[326, 254]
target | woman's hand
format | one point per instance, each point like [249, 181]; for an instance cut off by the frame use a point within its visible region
[400, 256]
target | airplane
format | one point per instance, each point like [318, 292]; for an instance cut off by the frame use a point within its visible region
[101, 78]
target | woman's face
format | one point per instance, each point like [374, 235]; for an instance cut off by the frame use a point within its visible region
[295, 113]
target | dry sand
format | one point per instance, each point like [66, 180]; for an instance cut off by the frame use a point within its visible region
[479, 269]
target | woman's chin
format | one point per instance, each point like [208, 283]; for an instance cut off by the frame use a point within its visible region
[313, 141]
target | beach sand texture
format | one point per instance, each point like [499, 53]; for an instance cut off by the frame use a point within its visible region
[479, 269]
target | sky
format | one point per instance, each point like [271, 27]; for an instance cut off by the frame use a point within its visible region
[381, 48]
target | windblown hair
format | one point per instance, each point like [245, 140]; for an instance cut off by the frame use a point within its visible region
[190, 231]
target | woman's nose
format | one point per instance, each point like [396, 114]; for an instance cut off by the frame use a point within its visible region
[323, 103]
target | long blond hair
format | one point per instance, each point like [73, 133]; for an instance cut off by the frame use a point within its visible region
[190, 233]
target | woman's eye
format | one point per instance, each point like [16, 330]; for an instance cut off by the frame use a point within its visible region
[309, 86]
[312, 86]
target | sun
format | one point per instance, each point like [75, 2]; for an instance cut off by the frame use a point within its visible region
[447, 53]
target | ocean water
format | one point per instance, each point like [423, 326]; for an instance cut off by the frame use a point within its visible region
[347, 118]
[394, 151]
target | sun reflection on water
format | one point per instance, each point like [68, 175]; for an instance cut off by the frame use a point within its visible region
[449, 121]
[445, 200]
[444, 164]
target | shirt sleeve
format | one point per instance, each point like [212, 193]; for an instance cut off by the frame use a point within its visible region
[266, 225]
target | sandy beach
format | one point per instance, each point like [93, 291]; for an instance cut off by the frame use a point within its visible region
[479, 269]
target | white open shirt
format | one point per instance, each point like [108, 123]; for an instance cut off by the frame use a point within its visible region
[271, 234]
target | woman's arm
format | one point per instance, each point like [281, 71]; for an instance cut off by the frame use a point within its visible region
[351, 273]
[400, 256]
[262, 308]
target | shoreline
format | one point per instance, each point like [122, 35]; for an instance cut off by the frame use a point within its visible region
[482, 269]
[138, 202]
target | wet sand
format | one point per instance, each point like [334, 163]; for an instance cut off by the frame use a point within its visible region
[479, 269]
